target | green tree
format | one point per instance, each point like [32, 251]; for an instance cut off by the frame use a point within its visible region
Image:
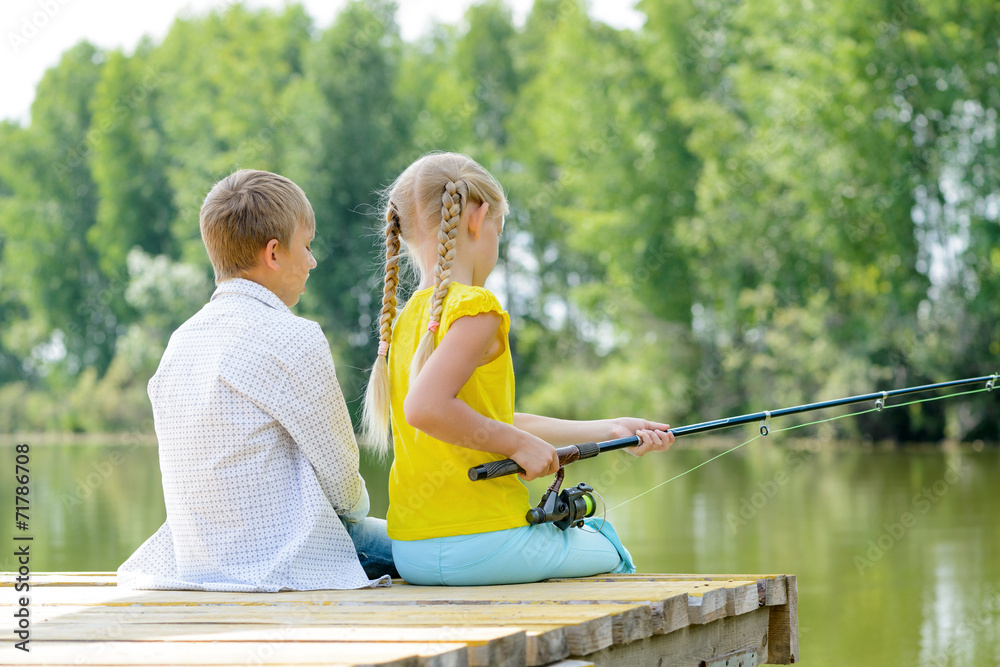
[803, 253]
[221, 95]
[936, 66]
[129, 162]
[599, 188]
[353, 116]
[51, 205]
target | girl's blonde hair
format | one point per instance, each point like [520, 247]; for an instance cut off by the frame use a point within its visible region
[426, 201]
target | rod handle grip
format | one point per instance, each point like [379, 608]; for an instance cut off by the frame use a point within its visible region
[492, 469]
[567, 454]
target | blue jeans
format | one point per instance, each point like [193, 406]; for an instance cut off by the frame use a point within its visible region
[512, 556]
[373, 546]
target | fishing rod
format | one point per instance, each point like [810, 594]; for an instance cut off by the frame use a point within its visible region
[572, 506]
[573, 453]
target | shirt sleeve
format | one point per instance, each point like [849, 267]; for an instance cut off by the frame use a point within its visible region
[472, 301]
[315, 415]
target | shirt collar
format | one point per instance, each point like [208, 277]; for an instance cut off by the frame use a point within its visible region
[249, 288]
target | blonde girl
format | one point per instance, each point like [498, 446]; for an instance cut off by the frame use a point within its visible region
[443, 379]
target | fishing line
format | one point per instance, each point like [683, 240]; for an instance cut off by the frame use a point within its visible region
[790, 428]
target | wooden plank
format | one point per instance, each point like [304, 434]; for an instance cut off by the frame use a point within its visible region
[667, 613]
[544, 622]
[691, 645]
[486, 645]
[660, 600]
[373, 614]
[655, 576]
[706, 607]
[636, 623]
[783, 628]
[589, 636]
[674, 614]
[543, 643]
[253, 653]
[776, 591]
[741, 599]
[64, 579]
[545, 646]
[552, 631]
[570, 591]
[109, 579]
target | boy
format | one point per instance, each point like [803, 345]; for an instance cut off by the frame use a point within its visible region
[257, 451]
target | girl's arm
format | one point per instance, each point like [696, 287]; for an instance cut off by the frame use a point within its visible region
[432, 404]
[559, 432]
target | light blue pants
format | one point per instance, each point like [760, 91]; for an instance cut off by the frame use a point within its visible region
[512, 556]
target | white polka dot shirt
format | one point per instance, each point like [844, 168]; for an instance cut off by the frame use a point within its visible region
[257, 454]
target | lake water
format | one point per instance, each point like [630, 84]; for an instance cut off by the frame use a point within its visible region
[897, 553]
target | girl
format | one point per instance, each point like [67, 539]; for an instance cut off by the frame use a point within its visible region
[448, 390]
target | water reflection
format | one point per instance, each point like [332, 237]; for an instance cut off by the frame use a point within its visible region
[896, 552]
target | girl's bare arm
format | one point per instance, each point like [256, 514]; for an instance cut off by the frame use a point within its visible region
[432, 404]
[559, 432]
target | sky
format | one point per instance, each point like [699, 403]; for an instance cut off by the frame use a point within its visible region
[36, 32]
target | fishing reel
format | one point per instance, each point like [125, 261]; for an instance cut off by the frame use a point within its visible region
[567, 508]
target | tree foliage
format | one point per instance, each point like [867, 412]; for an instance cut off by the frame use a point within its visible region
[737, 205]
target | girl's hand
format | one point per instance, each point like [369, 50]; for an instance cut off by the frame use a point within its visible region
[653, 436]
[537, 457]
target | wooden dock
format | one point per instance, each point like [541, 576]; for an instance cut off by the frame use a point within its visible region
[82, 618]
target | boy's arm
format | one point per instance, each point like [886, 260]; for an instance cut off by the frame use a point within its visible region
[315, 415]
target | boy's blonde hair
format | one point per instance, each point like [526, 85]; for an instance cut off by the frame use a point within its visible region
[243, 212]
[425, 202]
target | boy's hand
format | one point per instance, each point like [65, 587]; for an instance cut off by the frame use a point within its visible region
[537, 457]
[653, 435]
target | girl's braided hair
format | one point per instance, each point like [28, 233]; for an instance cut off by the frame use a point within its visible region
[426, 201]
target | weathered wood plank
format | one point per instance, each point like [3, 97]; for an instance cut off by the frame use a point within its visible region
[545, 646]
[691, 645]
[533, 624]
[373, 614]
[550, 635]
[674, 614]
[486, 645]
[589, 636]
[421, 654]
[656, 576]
[774, 582]
[707, 606]
[741, 599]
[783, 628]
[636, 623]
[65, 579]
[669, 600]
[776, 591]
[570, 591]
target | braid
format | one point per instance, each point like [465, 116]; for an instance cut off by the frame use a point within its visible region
[375, 416]
[392, 233]
[453, 200]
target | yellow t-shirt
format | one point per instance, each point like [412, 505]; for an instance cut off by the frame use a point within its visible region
[430, 494]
